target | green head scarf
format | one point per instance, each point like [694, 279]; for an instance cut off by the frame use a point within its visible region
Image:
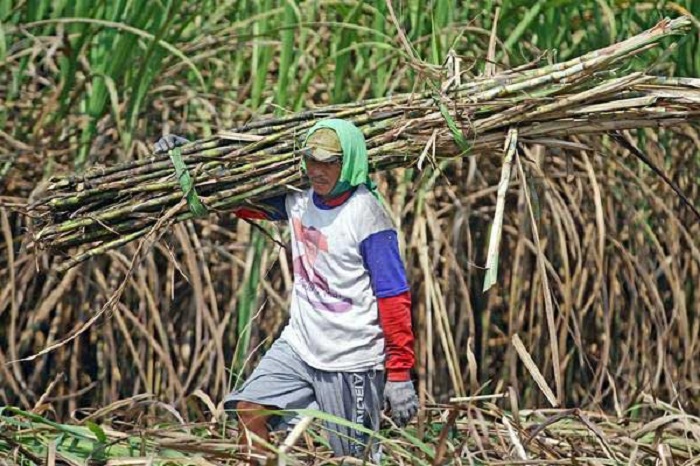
[355, 169]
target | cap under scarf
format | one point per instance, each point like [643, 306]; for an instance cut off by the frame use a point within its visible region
[355, 169]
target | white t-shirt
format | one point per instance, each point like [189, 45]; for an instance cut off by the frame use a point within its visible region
[334, 324]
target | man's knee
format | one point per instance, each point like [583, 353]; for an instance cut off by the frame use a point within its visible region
[248, 410]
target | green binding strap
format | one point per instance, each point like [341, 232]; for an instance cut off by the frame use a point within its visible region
[183, 176]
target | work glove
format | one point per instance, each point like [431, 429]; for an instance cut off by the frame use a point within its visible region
[402, 399]
[169, 141]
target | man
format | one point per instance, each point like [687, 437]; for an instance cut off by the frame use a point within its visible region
[350, 317]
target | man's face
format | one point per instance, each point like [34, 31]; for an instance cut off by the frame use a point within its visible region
[323, 175]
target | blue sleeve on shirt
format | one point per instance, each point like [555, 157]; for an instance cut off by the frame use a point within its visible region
[380, 253]
[275, 208]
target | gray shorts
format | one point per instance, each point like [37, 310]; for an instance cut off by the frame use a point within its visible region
[284, 381]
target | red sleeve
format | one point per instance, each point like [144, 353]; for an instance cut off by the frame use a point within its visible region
[273, 208]
[250, 214]
[395, 319]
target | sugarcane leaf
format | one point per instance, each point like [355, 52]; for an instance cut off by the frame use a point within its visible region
[522, 26]
[343, 62]
[534, 371]
[497, 224]
[3, 43]
[534, 185]
[454, 129]
[183, 176]
[248, 300]
[412, 439]
[97, 430]
[131, 30]
[546, 289]
[114, 101]
[292, 16]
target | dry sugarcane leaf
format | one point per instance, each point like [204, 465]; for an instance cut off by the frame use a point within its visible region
[497, 224]
[534, 370]
[547, 292]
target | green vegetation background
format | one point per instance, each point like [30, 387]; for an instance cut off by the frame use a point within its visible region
[111, 76]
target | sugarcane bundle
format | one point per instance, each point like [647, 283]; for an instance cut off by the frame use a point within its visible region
[107, 207]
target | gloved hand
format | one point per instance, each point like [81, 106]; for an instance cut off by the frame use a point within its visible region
[403, 401]
[169, 141]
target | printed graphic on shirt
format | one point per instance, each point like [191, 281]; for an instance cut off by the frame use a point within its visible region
[316, 291]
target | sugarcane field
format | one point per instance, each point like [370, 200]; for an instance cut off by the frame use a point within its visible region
[315, 232]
